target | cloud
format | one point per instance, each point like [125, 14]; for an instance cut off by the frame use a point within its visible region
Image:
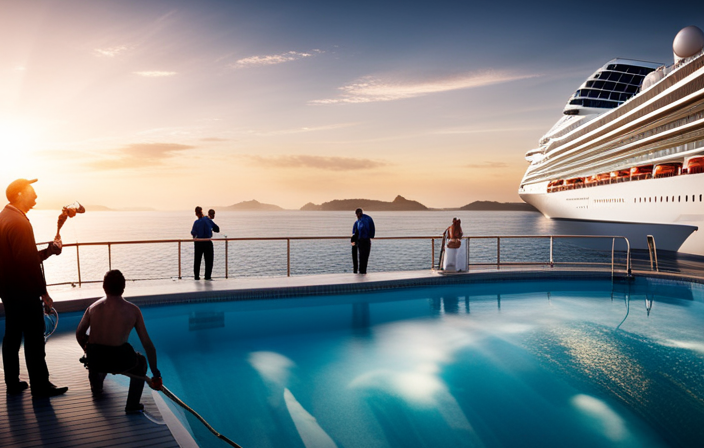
[370, 89]
[139, 155]
[317, 162]
[110, 52]
[214, 139]
[487, 165]
[155, 74]
[256, 61]
[305, 129]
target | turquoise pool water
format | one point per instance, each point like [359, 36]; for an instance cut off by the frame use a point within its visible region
[579, 364]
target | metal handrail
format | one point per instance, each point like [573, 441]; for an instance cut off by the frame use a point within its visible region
[550, 262]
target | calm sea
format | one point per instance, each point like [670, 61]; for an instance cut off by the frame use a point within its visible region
[269, 258]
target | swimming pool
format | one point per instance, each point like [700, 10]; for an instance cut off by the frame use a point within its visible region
[571, 363]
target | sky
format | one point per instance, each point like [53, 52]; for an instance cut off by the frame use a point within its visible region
[169, 104]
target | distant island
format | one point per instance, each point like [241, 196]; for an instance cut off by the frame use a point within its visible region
[252, 205]
[499, 206]
[398, 204]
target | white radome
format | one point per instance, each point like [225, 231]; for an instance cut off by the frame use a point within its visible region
[688, 42]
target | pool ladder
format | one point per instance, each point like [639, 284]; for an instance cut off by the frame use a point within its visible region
[653, 252]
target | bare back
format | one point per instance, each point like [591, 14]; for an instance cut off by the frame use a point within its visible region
[111, 320]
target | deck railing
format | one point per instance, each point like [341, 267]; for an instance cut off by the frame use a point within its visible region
[498, 263]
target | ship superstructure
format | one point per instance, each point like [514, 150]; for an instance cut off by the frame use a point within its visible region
[628, 153]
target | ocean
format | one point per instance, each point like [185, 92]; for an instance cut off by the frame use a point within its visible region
[269, 258]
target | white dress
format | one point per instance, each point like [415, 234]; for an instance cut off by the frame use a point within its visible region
[455, 260]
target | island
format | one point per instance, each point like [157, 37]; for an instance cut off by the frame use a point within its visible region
[252, 205]
[398, 204]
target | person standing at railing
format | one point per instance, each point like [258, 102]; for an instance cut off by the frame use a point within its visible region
[364, 228]
[202, 229]
[23, 292]
[211, 217]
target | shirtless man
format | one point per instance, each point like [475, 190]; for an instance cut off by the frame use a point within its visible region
[103, 333]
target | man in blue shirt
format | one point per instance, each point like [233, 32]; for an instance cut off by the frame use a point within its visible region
[202, 228]
[364, 229]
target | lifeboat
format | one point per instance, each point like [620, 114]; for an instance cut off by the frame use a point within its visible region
[695, 165]
[577, 182]
[667, 170]
[554, 185]
[620, 175]
[641, 172]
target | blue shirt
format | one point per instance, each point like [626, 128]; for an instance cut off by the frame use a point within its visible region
[202, 228]
[364, 227]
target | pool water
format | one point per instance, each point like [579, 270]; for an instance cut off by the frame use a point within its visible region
[551, 364]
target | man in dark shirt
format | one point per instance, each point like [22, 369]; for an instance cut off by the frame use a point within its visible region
[364, 229]
[23, 292]
[202, 228]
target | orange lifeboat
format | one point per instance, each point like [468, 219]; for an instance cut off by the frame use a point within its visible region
[619, 175]
[577, 182]
[695, 165]
[554, 185]
[667, 170]
[641, 172]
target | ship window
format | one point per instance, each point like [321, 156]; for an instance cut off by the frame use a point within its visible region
[590, 83]
[666, 198]
[598, 84]
[609, 85]
[620, 87]
[650, 199]
[686, 198]
[627, 79]
[660, 198]
[611, 67]
[631, 89]
[679, 198]
[614, 76]
[604, 95]
[700, 198]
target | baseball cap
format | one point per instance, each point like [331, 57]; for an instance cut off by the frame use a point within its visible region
[17, 187]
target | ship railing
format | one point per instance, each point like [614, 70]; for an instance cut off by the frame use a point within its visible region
[575, 255]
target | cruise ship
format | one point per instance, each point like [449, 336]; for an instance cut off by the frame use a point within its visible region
[627, 156]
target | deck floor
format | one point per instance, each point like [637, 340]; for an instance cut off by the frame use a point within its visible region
[76, 419]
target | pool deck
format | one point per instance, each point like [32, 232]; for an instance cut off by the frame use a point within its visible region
[78, 420]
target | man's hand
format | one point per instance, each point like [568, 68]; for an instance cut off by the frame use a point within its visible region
[55, 247]
[48, 302]
[156, 383]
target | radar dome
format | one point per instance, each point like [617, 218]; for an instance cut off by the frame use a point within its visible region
[688, 42]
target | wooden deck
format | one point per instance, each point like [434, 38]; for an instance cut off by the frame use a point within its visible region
[76, 419]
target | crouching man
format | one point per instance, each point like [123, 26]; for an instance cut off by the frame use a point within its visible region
[103, 333]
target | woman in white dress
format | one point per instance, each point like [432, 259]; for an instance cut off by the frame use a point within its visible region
[455, 259]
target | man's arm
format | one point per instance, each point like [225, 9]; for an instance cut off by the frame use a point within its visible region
[81, 331]
[193, 229]
[372, 230]
[147, 343]
[216, 228]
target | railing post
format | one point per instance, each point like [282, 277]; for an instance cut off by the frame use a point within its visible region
[109, 258]
[288, 257]
[613, 244]
[226, 258]
[432, 253]
[467, 239]
[78, 263]
[179, 260]
[498, 252]
[552, 262]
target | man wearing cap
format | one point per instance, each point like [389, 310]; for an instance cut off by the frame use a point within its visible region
[23, 292]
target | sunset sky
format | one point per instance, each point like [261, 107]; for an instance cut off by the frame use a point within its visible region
[167, 104]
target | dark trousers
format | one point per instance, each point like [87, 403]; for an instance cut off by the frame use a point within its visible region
[136, 385]
[355, 265]
[365, 247]
[24, 317]
[203, 248]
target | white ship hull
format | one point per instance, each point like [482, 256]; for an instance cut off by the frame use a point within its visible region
[632, 209]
